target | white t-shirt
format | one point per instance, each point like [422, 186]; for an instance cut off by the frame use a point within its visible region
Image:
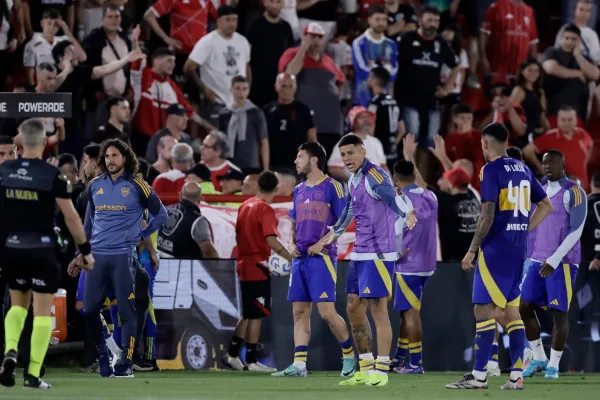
[590, 44]
[220, 60]
[5, 26]
[374, 149]
[290, 15]
[38, 50]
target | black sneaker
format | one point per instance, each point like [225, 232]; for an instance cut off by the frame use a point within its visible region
[142, 365]
[35, 383]
[122, 371]
[9, 366]
[90, 366]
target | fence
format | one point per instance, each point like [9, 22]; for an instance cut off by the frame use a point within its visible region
[197, 304]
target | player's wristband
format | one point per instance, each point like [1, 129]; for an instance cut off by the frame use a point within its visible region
[85, 248]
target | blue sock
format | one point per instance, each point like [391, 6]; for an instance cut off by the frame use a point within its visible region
[347, 349]
[150, 334]
[494, 352]
[516, 334]
[401, 349]
[485, 333]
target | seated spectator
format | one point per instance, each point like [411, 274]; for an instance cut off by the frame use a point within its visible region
[575, 143]
[269, 36]
[401, 18]
[289, 123]
[250, 185]
[218, 56]
[170, 183]
[176, 122]
[103, 45]
[214, 148]
[39, 49]
[372, 49]
[529, 94]
[200, 174]
[154, 92]
[246, 128]
[362, 122]
[341, 53]
[568, 73]
[319, 80]
[163, 161]
[503, 111]
[119, 114]
[231, 182]
[582, 15]
[287, 183]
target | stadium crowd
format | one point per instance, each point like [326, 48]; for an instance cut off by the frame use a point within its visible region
[216, 91]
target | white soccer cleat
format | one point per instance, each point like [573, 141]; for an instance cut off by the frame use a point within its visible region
[493, 371]
[258, 367]
[233, 362]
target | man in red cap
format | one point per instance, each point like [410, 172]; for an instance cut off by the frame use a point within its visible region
[362, 122]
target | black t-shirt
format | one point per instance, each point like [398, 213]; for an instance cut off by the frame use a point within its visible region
[37, 8]
[288, 125]
[457, 219]
[387, 115]
[109, 131]
[420, 61]
[268, 42]
[406, 13]
[152, 174]
[321, 11]
[560, 91]
[28, 191]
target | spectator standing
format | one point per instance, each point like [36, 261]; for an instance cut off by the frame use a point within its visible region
[246, 129]
[8, 40]
[119, 113]
[568, 73]
[214, 149]
[503, 111]
[508, 36]
[289, 123]
[290, 15]
[452, 35]
[341, 53]
[529, 94]
[176, 122]
[163, 162]
[104, 45]
[422, 54]
[216, 59]
[171, 182]
[371, 49]
[39, 49]
[590, 44]
[575, 143]
[571, 9]
[401, 18]
[474, 11]
[269, 37]
[322, 12]
[65, 8]
[389, 127]
[319, 81]
[362, 123]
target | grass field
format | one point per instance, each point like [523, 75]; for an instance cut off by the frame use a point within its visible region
[70, 385]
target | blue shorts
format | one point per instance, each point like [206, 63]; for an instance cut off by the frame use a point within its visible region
[110, 298]
[555, 291]
[498, 276]
[313, 279]
[371, 279]
[409, 291]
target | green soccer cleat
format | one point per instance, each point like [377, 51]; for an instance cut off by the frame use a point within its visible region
[377, 379]
[292, 370]
[348, 367]
[359, 378]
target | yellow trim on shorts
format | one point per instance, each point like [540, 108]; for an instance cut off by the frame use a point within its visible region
[491, 287]
[568, 284]
[385, 276]
[410, 296]
[330, 267]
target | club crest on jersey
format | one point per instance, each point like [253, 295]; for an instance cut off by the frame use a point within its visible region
[125, 191]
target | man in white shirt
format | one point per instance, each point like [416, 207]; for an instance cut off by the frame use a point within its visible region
[216, 59]
[362, 122]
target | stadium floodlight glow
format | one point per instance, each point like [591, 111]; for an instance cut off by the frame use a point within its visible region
[31, 105]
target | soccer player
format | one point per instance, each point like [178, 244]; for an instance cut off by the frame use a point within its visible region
[318, 203]
[374, 205]
[30, 191]
[117, 203]
[256, 235]
[550, 279]
[417, 261]
[507, 190]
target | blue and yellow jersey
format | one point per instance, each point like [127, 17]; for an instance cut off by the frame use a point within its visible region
[513, 188]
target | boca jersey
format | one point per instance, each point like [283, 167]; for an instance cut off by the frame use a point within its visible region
[513, 188]
[314, 209]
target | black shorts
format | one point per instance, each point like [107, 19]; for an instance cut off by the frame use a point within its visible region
[36, 269]
[256, 299]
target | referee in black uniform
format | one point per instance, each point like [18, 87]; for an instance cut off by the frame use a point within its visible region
[30, 190]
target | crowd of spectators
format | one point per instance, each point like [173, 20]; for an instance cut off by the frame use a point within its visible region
[214, 91]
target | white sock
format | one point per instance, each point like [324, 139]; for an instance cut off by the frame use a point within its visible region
[480, 375]
[367, 356]
[492, 364]
[538, 350]
[300, 364]
[112, 345]
[514, 375]
[555, 357]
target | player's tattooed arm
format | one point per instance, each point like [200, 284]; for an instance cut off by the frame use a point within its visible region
[486, 218]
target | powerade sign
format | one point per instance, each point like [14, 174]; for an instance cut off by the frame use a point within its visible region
[28, 105]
